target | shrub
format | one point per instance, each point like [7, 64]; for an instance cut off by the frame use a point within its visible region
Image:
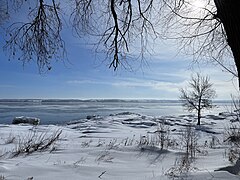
[232, 137]
[34, 142]
[188, 138]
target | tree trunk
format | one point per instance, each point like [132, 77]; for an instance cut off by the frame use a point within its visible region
[228, 11]
[199, 116]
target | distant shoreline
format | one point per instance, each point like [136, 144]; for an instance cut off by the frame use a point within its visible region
[102, 100]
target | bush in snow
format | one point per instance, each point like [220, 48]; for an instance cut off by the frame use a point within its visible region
[160, 138]
[188, 140]
[232, 137]
[36, 142]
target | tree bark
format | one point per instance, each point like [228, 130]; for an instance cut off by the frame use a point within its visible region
[199, 108]
[228, 11]
[199, 116]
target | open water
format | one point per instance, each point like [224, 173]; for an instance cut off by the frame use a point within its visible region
[55, 111]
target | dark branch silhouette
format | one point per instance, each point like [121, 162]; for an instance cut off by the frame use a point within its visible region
[121, 27]
[39, 38]
[229, 14]
[198, 95]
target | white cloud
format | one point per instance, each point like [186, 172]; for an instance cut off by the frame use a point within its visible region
[95, 82]
[151, 84]
[167, 83]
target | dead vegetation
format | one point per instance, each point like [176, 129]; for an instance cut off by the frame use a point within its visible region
[33, 142]
[188, 141]
[232, 138]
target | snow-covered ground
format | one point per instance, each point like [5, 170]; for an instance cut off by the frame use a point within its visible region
[119, 147]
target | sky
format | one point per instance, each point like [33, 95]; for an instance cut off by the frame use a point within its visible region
[86, 76]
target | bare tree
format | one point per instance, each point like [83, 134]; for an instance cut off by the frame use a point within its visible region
[229, 15]
[196, 26]
[198, 95]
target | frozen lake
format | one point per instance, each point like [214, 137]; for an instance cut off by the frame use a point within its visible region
[61, 111]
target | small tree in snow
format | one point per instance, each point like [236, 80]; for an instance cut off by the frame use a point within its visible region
[198, 95]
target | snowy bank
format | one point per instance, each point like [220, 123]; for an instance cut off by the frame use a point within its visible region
[119, 146]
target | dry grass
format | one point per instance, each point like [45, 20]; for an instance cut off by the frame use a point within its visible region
[36, 142]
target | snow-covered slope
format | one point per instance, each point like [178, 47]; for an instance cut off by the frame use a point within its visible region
[118, 147]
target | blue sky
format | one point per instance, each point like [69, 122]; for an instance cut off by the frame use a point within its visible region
[87, 76]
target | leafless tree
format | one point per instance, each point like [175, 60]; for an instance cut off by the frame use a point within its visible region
[229, 15]
[195, 24]
[121, 27]
[198, 95]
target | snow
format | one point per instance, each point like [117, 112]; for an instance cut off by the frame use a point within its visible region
[119, 146]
